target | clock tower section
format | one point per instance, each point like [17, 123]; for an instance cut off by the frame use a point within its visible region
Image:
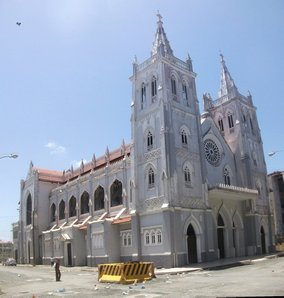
[165, 129]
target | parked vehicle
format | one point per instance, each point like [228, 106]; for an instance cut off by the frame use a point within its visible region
[10, 262]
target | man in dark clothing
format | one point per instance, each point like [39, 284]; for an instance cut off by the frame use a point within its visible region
[57, 271]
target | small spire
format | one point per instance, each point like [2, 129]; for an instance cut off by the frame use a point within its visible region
[161, 44]
[207, 101]
[94, 161]
[189, 62]
[82, 166]
[107, 155]
[135, 60]
[227, 86]
[123, 147]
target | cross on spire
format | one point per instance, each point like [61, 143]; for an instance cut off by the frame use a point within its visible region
[159, 17]
[161, 44]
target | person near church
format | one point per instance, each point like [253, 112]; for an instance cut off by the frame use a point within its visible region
[57, 270]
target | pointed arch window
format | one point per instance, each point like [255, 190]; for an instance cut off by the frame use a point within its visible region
[29, 210]
[159, 236]
[147, 238]
[258, 188]
[153, 237]
[174, 87]
[116, 193]
[227, 178]
[62, 210]
[154, 88]
[124, 239]
[72, 207]
[149, 141]
[151, 178]
[183, 137]
[99, 198]
[230, 120]
[84, 207]
[173, 84]
[251, 126]
[220, 124]
[187, 176]
[143, 96]
[220, 221]
[52, 212]
[129, 239]
[184, 93]
[234, 235]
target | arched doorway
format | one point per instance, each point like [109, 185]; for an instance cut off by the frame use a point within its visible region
[191, 245]
[220, 235]
[263, 246]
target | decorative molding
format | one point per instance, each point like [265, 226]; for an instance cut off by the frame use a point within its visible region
[152, 204]
[154, 154]
[192, 203]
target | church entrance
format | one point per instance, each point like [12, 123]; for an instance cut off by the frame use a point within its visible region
[191, 245]
[220, 235]
[69, 254]
[263, 249]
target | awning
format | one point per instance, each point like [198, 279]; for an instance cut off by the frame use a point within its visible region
[64, 237]
[229, 192]
[121, 220]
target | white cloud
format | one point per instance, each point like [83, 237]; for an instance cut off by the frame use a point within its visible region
[77, 163]
[55, 148]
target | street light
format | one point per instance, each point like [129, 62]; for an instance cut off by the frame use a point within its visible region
[10, 156]
[274, 152]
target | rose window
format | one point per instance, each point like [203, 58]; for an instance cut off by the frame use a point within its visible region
[212, 152]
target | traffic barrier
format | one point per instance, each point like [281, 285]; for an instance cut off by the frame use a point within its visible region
[280, 247]
[126, 273]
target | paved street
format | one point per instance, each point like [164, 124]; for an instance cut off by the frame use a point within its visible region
[263, 277]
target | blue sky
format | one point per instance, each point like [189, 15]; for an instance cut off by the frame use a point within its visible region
[64, 74]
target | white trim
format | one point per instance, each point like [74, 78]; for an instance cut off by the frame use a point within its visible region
[151, 227]
[158, 254]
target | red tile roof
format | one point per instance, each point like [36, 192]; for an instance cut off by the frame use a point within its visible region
[121, 220]
[62, 177]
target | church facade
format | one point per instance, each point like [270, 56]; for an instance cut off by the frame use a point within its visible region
[190, 187]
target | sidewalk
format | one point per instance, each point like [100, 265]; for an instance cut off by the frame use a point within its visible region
[213, 265]
[219, 264]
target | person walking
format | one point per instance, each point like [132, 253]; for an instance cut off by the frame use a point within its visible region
[57, 270]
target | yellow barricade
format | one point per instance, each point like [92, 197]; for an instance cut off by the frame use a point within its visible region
[126, 273]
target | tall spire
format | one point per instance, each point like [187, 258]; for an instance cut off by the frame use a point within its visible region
[227, 87]
[161, 44]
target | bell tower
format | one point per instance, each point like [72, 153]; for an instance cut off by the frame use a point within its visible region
[165, 128]
[235, 116]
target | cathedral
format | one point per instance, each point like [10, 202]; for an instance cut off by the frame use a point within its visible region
[189, 187]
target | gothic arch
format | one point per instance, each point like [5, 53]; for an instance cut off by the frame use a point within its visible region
[84, 202]
[258, 186]
[29, 207]
[227, 175]
[143, 95]
[150, 174]
[149, 139]
[188, 173]
[175, 74]
[193, 223]
[61, 210]
[184, 134]
[116, 193]
[72, 206]
[99, 198]
[237, 234]
[52, 212]
[222, 230]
